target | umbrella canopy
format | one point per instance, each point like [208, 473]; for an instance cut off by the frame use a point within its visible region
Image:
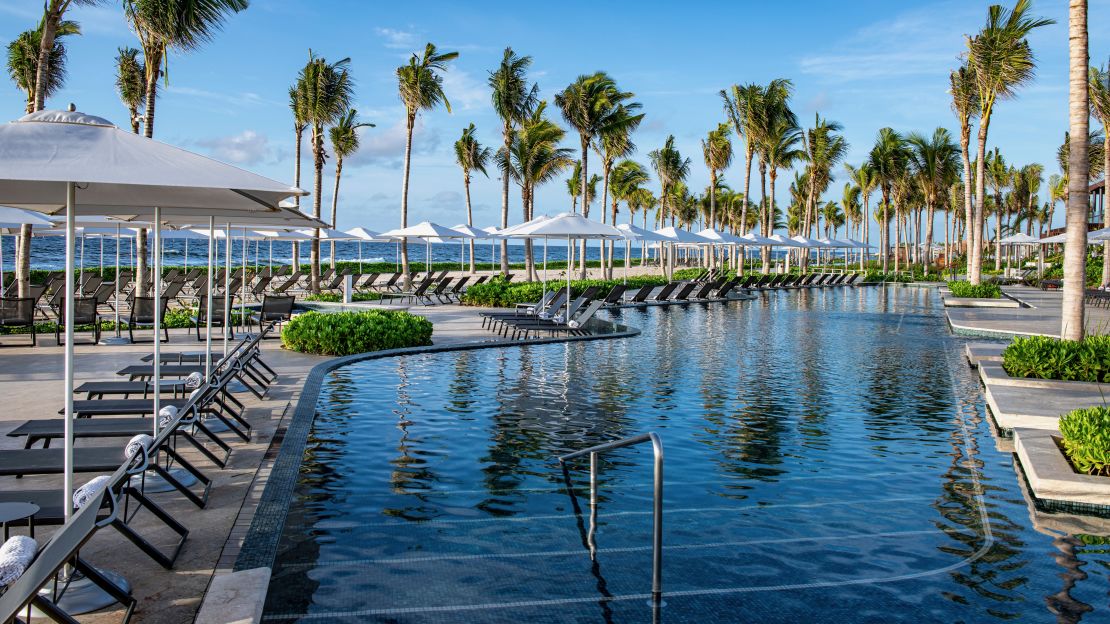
[715, 237]
[41, 152]
[809, 242]
[632, 232]
[288, 235]
[857, 244]
[755, 240]
[1059, 238]
[493, 231]
[838, 244]
[1025, 239]
[426, 229]
[370, 236]
[509, 231]
[778, 240]
[332, 234]
[565, 225]
[672, 234]
[466, 229]
[172, 234]
[15, 217]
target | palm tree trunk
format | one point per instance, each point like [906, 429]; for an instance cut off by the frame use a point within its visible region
[405, 203]
[884, 234]
[975, 272]
[469, 216]
[747, 176]
[335, 202]
[606, 249]
[50, 23]
[965, 157]
[529, 261]
[866, 218]
[1075, 249]
[928, 256]
[765, 220]
[999, 214]
[317, 189]
[585, 202]
[1105, 213]
[507, 134]
[897, 237]
[154, 71]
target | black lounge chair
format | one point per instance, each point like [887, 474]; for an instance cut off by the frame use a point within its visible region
[142, 315]
[276, 309]
[417, 294]
[615, 296]
[289, 283]
[218, 317]
[368, 281]
[702, 294]
[642, 294]
[19, 312]
[84, 313]
[683, 293]
[59, 552]
[456, 291]
[575, 327]
[725, 289]
[666, 292]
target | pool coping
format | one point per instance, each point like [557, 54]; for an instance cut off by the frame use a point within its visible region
[259, 548]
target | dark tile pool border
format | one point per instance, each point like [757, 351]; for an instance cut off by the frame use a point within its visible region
[260, 545]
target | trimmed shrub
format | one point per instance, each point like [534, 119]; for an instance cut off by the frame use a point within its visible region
[1086, 435]
[497, 293]
[968, 290]
[347, 333]
[1048, 358]
[330, 297]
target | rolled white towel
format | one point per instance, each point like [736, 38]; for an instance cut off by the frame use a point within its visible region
[15, 555]
[166, 416]
[194, 394]
[137, 443]
[572, 324]
[85, 493]
[193, 380]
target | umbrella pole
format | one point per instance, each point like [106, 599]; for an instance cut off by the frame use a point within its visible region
[568, 277]
[186, 255]
[101, 257]
[243, 282]
[208, 296]
[627, 259]
[270, 256]
[67, 391]
[228, 295]
[157, 315]
[1, 261]
[544, 297]
[360, 255]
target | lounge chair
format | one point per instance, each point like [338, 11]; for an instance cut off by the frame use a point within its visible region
[666, 292]
[642, 294]
[19, 312]
[368, 281]
[456, 291]
[201, 318]
[615, 296]
[276, 309]
[142, 315]
[289, 283]
[574, 327]
[89, 286]
[84, 313]
[683, 293]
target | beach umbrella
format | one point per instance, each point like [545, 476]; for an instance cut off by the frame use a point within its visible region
[13, 219]
[493, 233]
[717, 238]
[476, 234]
[332, 234]
[571, 226]
[66, 162]
[364, 235]
[641, 234]
[426, 230]
[676, 236]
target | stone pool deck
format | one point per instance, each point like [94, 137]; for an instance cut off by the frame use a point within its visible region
[32, 382]
[1040, 316]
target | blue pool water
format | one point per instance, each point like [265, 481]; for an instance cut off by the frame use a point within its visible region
[827, 459]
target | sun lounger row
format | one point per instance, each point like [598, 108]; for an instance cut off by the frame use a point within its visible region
[121, 492]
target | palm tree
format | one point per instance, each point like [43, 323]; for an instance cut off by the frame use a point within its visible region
[615, 142]
[781, 149]
[1075, 249]
[1057, 191]
[935, 161]
[864, 177]
[1001, 60]
[744, 109]
[717, 151]
[420, 84]
[670, 167]
[1099, 94]
[300, 124]
[326, 93]
[471, 156]
[824, 149]
[183, 25]
[768, 118]
[998, 176]
[51, 27]
[595, 107]
[965, 103]
[23, 62]
[887, 161]
[130, 83]
[513, 101]
[626, 181]
[574, 185]
[344, 143]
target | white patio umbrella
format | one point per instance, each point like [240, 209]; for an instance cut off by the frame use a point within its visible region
[13, 219]
[630, 233]
[332, 234]
[493, 233]
[717, 238]
[426, 230]
[571, 226]
[677, 236]
[292, 236]
[863, 250]
[65, 162]
[475, 233]
[363, 235]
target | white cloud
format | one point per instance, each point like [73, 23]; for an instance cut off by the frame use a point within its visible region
[397, 39]
[246, 148]
[446, 199]
[241, 101]
[463, 91]
[385, 145]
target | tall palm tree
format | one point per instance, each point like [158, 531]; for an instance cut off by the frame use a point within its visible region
[965, 104]
[326, 94]
[1002, 61]
[420, 83]
[823, 149]
[344, 143]
[716, 149]
[300, 124]
[998, 177]
[864, 177]
[594, 106]
[131, 84]
[613, 143]
[782, 147]
[887, 161]
[28, 74]
[1057, 191]
[471, 155]
[626, 181]
[670, 167]
[51, 27]
[183, 25]
[513, 101]
[1075, 249]
[1099, 94]
[935, 161]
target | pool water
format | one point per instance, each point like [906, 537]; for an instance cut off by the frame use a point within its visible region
[827, 459]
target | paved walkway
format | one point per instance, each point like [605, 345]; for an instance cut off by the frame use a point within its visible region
[1042, 318]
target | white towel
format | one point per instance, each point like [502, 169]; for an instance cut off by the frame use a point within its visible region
[192, 381]
[137, 443]
[85, 493]
[165, 417]
[15, 555]
[572, 324]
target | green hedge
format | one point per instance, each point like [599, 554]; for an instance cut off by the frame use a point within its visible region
[331, 297]
[348, 333]
[498, 293]
[968, 290]
[1086, 435]
[1048, 358]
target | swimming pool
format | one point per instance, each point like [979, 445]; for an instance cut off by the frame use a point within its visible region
[827, 459]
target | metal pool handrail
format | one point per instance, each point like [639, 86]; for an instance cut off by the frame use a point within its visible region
[657, 503]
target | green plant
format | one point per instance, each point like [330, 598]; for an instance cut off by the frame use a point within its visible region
[975, 291]
[347, 333]
[497, 293]
[330, 297]
[1048, 358]
[1086, 438]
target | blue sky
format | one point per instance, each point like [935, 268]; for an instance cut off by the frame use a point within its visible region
[866, 64]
